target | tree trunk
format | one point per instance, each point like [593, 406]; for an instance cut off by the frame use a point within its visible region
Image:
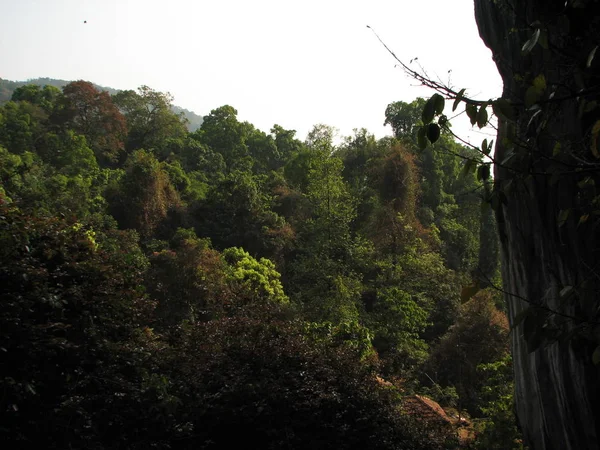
[549, 260]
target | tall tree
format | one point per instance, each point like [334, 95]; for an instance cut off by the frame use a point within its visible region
[150, 120]
[92, 113]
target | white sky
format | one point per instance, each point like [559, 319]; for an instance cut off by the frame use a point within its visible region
[295, 63]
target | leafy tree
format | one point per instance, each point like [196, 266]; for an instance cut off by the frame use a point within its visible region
[46, 97]
[144, 195]
[398, 322]
[22, 124]
[92, 113]
[404, 118]
[72, 357]
[150, 120]
[480, 336]
[255, 280]
[498, 429]
[224, 134]
[281, 389]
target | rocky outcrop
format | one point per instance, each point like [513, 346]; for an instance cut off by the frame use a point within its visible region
[550, 250]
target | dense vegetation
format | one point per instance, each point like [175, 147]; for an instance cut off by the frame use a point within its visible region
[162, 288]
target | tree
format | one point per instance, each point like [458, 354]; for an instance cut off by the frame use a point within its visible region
[404, 117]
[224, 134]
[92, 113]
[144, 196]
[150, 120]
[281, 389]
[71, 316]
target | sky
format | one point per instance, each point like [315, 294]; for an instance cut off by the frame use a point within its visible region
[292, 63]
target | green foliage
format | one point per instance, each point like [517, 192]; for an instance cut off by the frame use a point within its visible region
[70, 306]
[257, 279]
[150, 120]
[282, 390]
[143, 196]
[398, 321]
[480, 336]
[327, 261]
[497, 430]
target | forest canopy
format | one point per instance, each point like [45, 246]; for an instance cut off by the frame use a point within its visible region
[162, 286]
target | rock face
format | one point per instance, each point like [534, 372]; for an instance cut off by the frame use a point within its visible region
[550, 250]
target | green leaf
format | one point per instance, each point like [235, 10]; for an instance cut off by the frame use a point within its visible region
[483, 172]
[482, 117]
[587, 181]
[556, 150]
[484, 146]
[583, 219]
[458, 99]
[532, 96]
[528, 46]
[422, 138]
[468, 168]
[539, 82]
[429, 110]
[503, 109]
[596, 356]
[471, 111]
[590, 57]
[563, 215]
[433, 132]
[439, 103]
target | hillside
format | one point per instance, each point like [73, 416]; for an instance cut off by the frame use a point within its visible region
[7, 87]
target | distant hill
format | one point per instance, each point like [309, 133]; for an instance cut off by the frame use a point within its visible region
[7, 88]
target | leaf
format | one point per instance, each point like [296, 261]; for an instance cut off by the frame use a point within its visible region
[590, 57]
[502, 108]
[594, 144]
[467, 292]
[422, 138]
[433, 132]
[532, 96]
[483, 172]
[482, 117]
[521, 315]
[556, 150]
[528, 46]
[566, 292]
[458, 99]
[587, 181]
[429, 110]
[468, 168]
[539, 82]
[439, 103]
[596, 356]
[563, 215]
[484, 146]
[471, 111]
[583, 219]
